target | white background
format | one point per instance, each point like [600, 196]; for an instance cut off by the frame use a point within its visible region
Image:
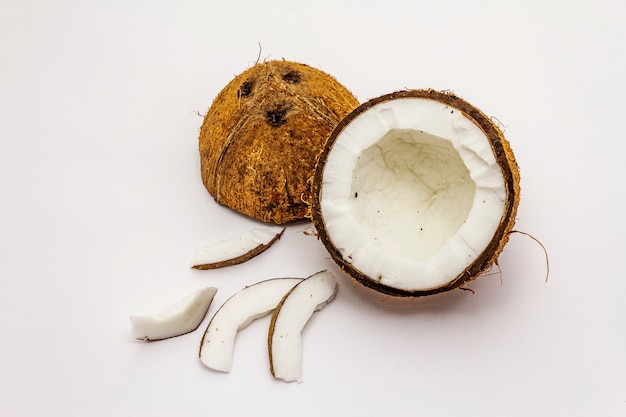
[101, 206]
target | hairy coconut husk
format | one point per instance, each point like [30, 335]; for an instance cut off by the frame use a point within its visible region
[504, 157]
[261, 137]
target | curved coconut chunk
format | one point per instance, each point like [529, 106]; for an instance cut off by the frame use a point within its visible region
[288, 320]
[237, 249]
[180, 318]
[249, 304]
[411, 193]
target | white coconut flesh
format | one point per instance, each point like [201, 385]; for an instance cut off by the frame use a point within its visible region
[411, 193]
[285, 338]
[180, 318]
[236, 249]
[247, 305]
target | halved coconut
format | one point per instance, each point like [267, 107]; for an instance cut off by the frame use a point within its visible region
[415, 193]
[260, 139]
[249, 304]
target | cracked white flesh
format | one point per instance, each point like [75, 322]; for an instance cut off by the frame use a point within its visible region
[236, 247]
[411, 193]
[285, 345]
[249, 304]
[180, 318]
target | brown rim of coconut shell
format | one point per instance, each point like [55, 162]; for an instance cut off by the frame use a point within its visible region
[504, 157]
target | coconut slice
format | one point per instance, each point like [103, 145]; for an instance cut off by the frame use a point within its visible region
[415, 193]
[249, 304]
[180, 318]
[237, 249]
[290, 317]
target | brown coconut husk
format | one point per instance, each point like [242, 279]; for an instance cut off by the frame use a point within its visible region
[504, 157]
[261, 138]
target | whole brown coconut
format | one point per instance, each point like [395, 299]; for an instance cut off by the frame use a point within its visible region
[261, 138]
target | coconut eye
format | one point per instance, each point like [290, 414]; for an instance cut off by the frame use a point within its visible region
[292, 77]
[245, 89]
[276, 117]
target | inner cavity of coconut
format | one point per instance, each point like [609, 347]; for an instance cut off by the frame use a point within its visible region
[411, 193]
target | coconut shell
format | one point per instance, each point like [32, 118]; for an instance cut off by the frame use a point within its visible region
[262, 135]
[504, 157]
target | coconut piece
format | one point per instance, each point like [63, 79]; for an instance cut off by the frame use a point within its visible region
[249, 304]
[182, 317]
[290, 317]
[415, 193]
[261, 137]
[237, 249]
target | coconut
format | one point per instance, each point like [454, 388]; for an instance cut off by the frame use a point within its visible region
[239, 311]
[416, 193]
[236, 250]
[180, 318]
[261, 137]
[284, 340]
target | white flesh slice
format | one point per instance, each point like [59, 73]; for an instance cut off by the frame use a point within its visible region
[249, 304]
[237, 249]
[295, 310]
[180, 318]
[412, 193]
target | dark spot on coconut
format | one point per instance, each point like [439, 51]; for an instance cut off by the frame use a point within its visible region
[245, 89]
[276, 117]
[356, 195]
[292, 77]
